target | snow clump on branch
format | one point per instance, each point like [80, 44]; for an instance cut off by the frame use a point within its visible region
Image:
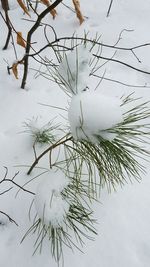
[50, 205]
[93, 114]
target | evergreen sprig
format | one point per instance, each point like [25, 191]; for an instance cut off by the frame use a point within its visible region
[116, 161]
[78, 224]
[41, 134]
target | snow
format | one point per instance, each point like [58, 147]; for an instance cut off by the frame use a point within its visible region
[91, 113]
[123, 217]
[74, 70]
[41, 133]
[49, 203]
[35, 125]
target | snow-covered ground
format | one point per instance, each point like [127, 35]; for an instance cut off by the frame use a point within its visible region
[123, 216]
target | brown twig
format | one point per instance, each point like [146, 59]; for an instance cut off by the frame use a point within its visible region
[63, 140]
[29, 36]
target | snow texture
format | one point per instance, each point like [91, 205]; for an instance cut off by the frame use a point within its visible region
[74, 69]
[49, 203]
[123, 217]
[92, 114]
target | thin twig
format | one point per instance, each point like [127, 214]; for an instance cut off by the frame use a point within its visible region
[123, 63]
[7, 190]
[5, 179]
[63, 140]
[122, 83]
[10, 219]
[90, 40]
[7, 22]
[110, 5]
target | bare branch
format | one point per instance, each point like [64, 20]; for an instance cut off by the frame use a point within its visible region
[10, 219]
[29, 36]
[63, 140]
[119, 82]
[123, 63]
[5, 179]
[110, 5]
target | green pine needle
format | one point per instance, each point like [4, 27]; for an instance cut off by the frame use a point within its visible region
[78, 224]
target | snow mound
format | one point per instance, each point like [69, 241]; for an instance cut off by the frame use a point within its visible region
[74, 69]
[49, 203]
[92, 113]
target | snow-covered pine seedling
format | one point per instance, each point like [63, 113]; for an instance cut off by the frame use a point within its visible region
[102, 148]
[74, 70]
[62, 214]
[109, 136]
[43, 134]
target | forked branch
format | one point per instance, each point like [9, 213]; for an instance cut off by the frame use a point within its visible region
[62, 141]
[29, 37]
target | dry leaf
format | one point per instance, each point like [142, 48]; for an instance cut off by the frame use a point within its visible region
[53, 11]
[78, 11]
[14, 69]
[20, 40]
[46, 2]
[22, 5]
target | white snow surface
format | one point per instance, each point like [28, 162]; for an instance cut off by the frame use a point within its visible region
[74, 70]
[91, 113]
[49, 203]
[123, 217]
